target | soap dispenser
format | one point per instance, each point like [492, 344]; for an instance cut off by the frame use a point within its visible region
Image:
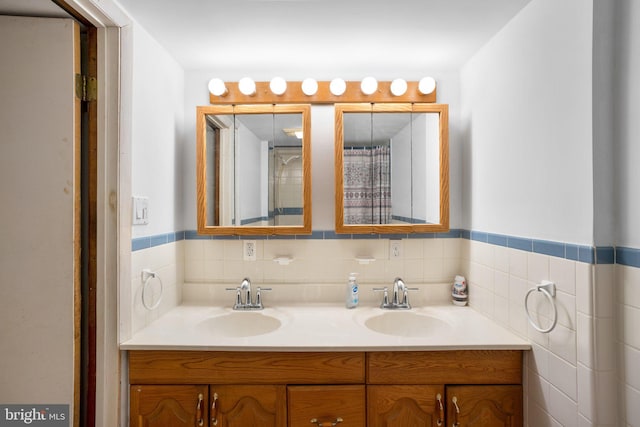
[352, 291]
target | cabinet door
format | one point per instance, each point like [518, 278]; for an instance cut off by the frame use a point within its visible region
[485, 406]
[248, 405]
[324, 406]
[405, 405]
[168, 405]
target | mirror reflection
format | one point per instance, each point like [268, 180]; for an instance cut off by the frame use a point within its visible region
[255, 162]
[392, 168]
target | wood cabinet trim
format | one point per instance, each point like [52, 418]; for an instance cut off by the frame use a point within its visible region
[207, 367]
[445, 367]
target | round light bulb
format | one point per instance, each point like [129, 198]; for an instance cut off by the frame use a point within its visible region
[217, 87]
[309, 86]
[426, 85]
[369, 85]
[278, 85]
[398, 87]
[247, 86]
[337, 86]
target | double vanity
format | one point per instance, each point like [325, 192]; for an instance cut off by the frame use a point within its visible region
[325, 365]
[320, 364]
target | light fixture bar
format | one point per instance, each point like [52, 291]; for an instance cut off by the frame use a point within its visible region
[294, 94]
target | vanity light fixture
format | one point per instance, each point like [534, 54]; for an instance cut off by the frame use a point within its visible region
[398, 87]
[369, 85]
[278, 85]
[279, 91]
[247, 86]
[337, 86]
[217, 87]
[309, 86]
[426, 85]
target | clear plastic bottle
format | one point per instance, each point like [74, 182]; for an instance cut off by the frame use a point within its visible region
[352, 291]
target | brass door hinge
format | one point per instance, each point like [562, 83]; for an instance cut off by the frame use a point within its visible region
[86, 88]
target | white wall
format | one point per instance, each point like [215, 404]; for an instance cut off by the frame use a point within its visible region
[526, 113]
[627, 178]
[528, 171]
[157, 134]
[627, 123]
[152, 131]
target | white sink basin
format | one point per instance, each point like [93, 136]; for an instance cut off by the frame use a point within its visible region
[405, 324]
[241, 324]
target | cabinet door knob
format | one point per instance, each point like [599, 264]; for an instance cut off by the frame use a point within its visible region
[199, 418]
[214, 410]
[440, 409]
[337, 421]
[456, 423]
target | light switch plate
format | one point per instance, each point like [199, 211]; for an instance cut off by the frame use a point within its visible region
[140, 210]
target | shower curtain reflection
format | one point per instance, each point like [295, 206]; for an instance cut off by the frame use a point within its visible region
[367, 185]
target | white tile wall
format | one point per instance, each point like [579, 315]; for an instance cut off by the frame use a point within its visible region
[496, 275]
[628, 337]
[571, 374]
[322, 261]
[167, 261]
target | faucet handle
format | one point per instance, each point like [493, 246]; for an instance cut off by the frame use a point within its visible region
[405, 297]
[385, 296]
[238, 298]
[259, 297]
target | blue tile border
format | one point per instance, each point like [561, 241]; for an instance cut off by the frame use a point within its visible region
[628, 256]
[582, 253]
[147, 242]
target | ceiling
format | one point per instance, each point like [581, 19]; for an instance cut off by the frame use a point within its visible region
[322, 38]
[319, 38]
[43, 8]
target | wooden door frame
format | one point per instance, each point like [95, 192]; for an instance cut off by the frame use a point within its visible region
[86, 233]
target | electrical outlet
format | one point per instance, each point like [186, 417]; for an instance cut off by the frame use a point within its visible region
[249, 250]
[395, 249]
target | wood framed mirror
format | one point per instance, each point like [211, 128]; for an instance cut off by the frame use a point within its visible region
[391, 168]
[253, 167]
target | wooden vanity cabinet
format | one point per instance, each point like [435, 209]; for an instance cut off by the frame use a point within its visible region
[374, 389]
[491, 406]
[405, 405]
[168, 405]
[258, 389]
[234, 405]
[476, 388]
[326, 405]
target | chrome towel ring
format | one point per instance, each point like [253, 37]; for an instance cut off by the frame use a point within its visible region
[147, 275]
[548, 289]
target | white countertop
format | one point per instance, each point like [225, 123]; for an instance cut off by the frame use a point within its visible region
[324, 327]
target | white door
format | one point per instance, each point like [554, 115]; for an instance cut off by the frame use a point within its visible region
[39, 210]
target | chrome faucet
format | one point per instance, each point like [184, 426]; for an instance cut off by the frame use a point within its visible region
[244, 301]
[400, 297]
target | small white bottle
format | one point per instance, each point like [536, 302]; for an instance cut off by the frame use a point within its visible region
[352, 291]
[459, 293]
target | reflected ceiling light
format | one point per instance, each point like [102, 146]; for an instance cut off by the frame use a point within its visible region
[278, 85]
[247, 86]
[369, 85]
[426, 85]
[217, 87]
[309, 86]
[297, 132]
[337, 86]
[398, 87]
